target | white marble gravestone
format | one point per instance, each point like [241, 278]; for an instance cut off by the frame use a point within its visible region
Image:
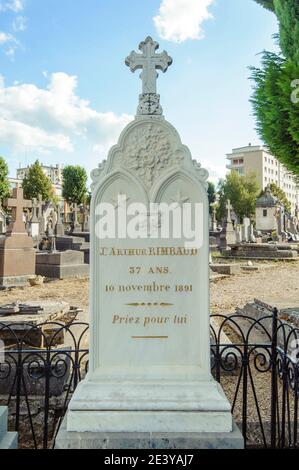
[149, 298]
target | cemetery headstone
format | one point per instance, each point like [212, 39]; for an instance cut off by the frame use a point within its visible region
[228, 233]
[214, 220]
[239, 235]
[17, 253]
[59, 232]
[246, 230]
[76, 226]
[149, 367]
[41, 219]
[34, 223]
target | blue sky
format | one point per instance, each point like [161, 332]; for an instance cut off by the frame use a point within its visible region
[65, 93]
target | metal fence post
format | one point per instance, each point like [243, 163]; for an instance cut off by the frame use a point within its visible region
[274, 345]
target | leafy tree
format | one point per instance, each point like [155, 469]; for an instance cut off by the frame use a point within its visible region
[36, 183]
[242, 191]
[281, 196]
[211, 195]
[267, 4]
[75, 184]
[276, 87]
[4, 184]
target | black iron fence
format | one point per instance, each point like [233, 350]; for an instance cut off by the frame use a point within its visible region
[255, 360]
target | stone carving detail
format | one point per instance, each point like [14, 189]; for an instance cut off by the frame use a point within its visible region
[149, 104]
[202, 174]
[148, 151]
[97, 173]
[149, 61]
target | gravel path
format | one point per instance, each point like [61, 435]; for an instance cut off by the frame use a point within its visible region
[276, 285]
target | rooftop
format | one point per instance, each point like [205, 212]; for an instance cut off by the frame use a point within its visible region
[247, 149]
[267, 199]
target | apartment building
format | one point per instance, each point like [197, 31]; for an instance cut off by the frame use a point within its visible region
[257, 160]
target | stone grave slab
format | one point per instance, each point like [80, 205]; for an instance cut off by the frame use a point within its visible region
[228, 269]
[61, 265]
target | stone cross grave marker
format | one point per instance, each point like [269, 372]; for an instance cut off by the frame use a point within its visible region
[149, 62]
[17, 203]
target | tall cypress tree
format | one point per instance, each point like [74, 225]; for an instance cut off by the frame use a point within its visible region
[276, 90]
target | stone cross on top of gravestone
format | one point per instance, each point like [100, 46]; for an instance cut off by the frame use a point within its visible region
[149, 61]
[18, 204]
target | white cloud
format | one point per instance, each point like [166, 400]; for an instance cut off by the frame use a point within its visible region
[13, 5]
[6, 38]
[10, 43]
[179, 20]
[54, 118]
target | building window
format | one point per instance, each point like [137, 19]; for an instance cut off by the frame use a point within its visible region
[265, 213]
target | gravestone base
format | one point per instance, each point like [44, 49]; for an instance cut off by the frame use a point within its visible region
[142, 440]
[17, 260]
[64, 265]
[14, 281]
[227, 269]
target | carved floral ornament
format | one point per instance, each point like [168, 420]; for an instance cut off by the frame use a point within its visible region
[148, 151]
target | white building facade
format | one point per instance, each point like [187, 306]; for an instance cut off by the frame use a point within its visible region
[257, 160]
[54, 173]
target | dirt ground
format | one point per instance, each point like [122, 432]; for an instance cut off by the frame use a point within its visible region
[277, 284]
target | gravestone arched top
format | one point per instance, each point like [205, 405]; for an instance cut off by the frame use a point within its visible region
[149, 150]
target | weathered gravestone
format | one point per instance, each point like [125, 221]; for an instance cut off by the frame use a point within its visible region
[34, 223]
[246, 230]
[149, 382]
[228, 234]
[17, 253]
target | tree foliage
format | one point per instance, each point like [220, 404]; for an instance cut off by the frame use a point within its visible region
[276, 88]
[75, 184]
[4, 184]
[242, 191]
[37, 183]
[267, 4]
[281, 196]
